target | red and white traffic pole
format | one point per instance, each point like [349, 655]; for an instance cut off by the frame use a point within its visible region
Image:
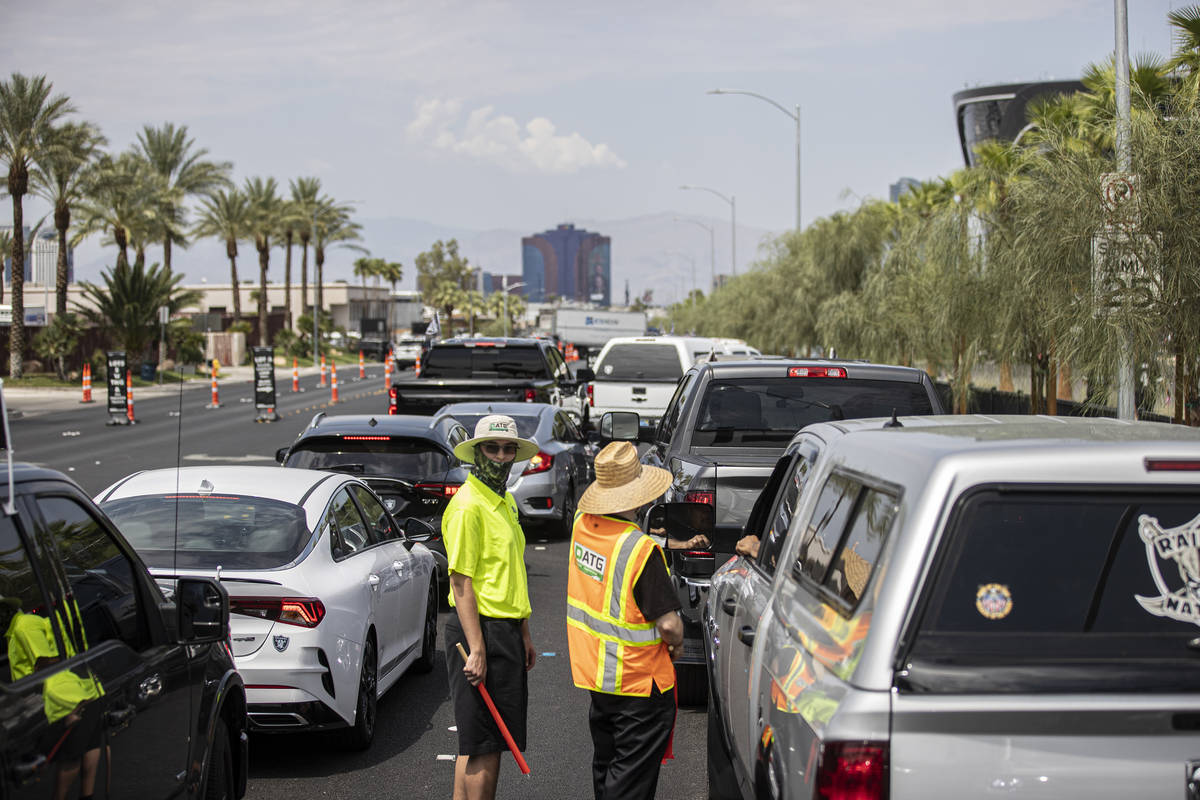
[387, 375]
[295, 375]
[216, 399]
[87, 383]
[129, 397]
[333, 398]
[362, 366]
[323, 384]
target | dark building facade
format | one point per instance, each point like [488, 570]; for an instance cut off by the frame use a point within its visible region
[567, 262]
[999, 112]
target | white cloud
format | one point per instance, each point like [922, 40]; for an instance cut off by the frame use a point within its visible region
[501, 140]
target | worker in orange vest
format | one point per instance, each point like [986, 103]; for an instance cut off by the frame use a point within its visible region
[623, 626]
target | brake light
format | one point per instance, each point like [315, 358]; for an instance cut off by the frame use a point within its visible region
[367, 438]
[393, 393]
[709, 498]
[591, 396]
[444, 490]
[699, 553]
[1172, 465]
[540, 462]
[853, 771]
[306, 612]
[816, 372]
[530, 395]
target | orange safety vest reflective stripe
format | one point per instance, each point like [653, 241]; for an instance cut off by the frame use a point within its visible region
[614, 648]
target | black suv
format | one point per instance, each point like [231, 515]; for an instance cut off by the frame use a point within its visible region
[108, 688]
[408, 460]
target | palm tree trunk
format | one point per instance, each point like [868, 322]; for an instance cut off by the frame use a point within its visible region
[1035, 388]
[287, 283]
[319, 280]
[1052, 383]
[264, 258]
[16, 333]
[139, 258]
[167, 253]
[122, 241]
[303, 274]
[1006, 378]
[62, 221]
[231, 251]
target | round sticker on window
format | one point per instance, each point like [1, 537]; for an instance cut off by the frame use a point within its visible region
[994, 600]
[608, 369]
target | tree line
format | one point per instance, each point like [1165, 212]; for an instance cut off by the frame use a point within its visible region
[996, 262]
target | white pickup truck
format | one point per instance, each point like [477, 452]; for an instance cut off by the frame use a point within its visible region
[639, 373]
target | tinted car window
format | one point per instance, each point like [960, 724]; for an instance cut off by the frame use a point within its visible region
[638, 361]
[829, 518]
[29, 633]
[767, 412]
[378, 520]
[772, 543]
[208, 531]
[460, 361]
[353, 533]
[526, 426]
[859, 550]
[397, 457]
[666, 427]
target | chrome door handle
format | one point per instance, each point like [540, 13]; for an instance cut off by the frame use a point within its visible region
[400, 567]
[374, 581]
[745, 634]
[729, 605]
[151, 687]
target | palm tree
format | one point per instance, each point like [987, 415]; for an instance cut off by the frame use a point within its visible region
[127, 305]
[291, 220]
[28, 116]
[266, 207]
[172, 156]
[306, 196]
[61, 180]
[120, 195]
[226, 216]
[332, 227]
[365, 267]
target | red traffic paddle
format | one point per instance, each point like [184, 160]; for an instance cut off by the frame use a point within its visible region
[487, 699]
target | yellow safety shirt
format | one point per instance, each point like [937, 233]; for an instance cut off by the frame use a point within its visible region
[484, 542]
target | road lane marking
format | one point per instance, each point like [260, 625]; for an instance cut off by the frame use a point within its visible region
[207, 457]
[445, 757]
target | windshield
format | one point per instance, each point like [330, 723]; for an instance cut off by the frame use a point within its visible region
[460, 361]
[767, 412]
[230, 531]
[526, 426]
[640, 361]
[394, 457]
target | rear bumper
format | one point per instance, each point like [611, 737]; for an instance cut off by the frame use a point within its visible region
[303, 715]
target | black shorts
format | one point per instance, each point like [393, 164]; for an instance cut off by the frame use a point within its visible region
[507, 682]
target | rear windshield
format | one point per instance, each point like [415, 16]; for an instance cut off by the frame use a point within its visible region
[526, 426]
[767, 412]
[395, 457]
[640, 361]
[210, 531]
[1068, 578]
[461, 361]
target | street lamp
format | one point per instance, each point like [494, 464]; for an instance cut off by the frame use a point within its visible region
[795, 117]
[504, 289]
[712, 248]
[732, 220]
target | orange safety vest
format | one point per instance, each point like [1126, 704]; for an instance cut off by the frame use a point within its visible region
[614, 648]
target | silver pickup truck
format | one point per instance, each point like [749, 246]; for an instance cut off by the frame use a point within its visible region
[964, 606]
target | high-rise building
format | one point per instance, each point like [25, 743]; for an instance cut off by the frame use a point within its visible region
[567, 262]
[41, 260]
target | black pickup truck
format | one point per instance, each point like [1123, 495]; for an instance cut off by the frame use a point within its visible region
[720, 437]
[502, 370]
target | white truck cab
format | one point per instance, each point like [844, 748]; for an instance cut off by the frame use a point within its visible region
[639, 373]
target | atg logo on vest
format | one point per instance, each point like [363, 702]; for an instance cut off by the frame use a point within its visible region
[590, 562]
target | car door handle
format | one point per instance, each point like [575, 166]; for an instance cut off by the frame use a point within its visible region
[27, 767]
[119, 717]
[746, 634]
[729, 605]
[400, 567]
[373, 580]
[151, 687]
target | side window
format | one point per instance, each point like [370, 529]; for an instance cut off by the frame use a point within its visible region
[102, 593]
[572, 430]
[458, 435]
[353, 532]
[559, 429]
[558, 365]
[32, 643]
[666, 427]
[772, 544]
[378, 520]
[829, 518]
[859, 551]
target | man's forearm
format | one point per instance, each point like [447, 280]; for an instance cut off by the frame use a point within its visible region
[467, 610]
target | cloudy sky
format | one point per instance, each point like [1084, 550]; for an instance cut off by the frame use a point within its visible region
[521, 114]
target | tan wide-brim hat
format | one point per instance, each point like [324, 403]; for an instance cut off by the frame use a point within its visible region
[495, 428]
[622, 482]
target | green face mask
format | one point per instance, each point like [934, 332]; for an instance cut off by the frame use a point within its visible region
[492, 474]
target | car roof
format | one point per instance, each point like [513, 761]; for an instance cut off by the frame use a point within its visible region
[286, 484]
[508, 409]
[771, 367]
[378, 424]
[24, 472]
[495, 340]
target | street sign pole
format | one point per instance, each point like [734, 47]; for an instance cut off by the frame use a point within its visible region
[1125, 400]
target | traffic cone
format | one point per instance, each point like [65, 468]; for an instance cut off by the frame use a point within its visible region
[216, 399]
[323, 371]
[333, 398]
[362, 366]
[417, 366]
[129, 398]
[295, 375]
[87, 383]
[387, 376]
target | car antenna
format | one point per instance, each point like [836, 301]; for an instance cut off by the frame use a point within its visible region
[893, 422]
[10, 505]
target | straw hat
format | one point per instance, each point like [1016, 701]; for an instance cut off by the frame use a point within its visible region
[498, 428]
[622, 482]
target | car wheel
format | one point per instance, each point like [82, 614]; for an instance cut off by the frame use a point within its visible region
[424, 662]
[567, 523]
[359, 737]
[722, 785]
[218, 783]
[691, 684]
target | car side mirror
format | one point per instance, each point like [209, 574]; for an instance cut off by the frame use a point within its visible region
[281, 454]
[203, 611]
[620, 426]
[418, 530]
[585, 374]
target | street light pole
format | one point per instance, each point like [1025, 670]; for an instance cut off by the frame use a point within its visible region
[504, 289]
[732, 221]
[795, 117]
[315, 311]
[1126, 406]
[712, 249]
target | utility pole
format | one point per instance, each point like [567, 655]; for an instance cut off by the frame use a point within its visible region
[1126, 409]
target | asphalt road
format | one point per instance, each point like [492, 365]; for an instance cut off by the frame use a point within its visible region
[412, 753]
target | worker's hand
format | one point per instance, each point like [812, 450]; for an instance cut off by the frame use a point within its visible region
[697, 541]
[530, 654]
[476, 667]
[747, 546]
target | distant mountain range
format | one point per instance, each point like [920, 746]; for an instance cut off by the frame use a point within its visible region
[653, 252]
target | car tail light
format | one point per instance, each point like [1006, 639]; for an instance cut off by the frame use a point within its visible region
[307, 612]
[591, 396]
[709, 498]
[367, 438]
[816, 372]
[698, 553]
[393, 393]
[530, 395]
[444, 490]
[853, 771]
[1172, 465]
[540, 462]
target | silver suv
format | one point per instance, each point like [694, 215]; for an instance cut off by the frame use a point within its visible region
[957, 607]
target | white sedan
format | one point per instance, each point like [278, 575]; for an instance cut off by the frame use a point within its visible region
[331, 602]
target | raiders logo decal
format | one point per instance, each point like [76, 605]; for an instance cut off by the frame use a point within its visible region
[1179, 596]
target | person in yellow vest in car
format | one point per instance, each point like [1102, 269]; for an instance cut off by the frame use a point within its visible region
[623, 626]
[489, 590]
